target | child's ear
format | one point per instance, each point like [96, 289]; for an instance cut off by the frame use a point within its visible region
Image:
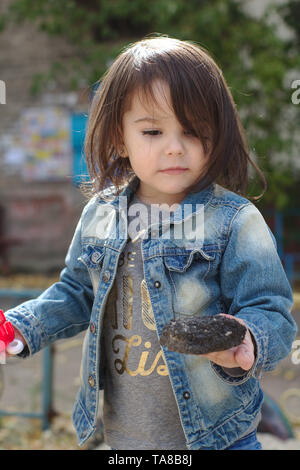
[122, 151]
[120, 146]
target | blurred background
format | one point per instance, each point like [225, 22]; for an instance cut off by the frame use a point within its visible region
[51, 55]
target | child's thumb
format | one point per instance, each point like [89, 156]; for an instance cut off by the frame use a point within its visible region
[244, 357]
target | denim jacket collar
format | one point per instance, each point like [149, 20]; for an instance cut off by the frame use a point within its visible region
[199, 197]
[194, 200]
[116, 212]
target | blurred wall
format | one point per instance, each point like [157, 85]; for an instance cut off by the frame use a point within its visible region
[25, 52]
[40, 221]
[40, 218]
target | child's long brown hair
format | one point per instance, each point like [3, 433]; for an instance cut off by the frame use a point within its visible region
[201, 101]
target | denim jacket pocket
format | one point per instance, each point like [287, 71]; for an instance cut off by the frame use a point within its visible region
[92, 257]
[181, 262]
[186, 273]
[244, 391]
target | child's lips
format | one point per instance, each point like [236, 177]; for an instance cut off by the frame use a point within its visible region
[174, 170]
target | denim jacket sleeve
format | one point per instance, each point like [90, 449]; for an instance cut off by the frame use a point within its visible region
[61, 311]
[254, 287]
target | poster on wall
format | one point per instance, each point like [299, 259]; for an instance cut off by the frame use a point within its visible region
[44, 136]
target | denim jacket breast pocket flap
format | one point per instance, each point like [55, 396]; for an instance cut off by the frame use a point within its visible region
[92, 256]
[187, 273]
[180, 262]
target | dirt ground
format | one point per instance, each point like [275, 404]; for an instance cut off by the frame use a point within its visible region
[21, 384]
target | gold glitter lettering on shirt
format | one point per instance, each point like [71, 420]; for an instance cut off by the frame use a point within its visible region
[121, 365]
[147, 312]
[111, 309]
[127, 301]
[130, 257]
[135, 340]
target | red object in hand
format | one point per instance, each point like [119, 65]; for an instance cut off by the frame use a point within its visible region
[7, 333]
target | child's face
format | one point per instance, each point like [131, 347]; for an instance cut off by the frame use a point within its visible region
[155, 142]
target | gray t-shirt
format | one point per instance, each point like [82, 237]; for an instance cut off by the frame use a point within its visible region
[140, 410]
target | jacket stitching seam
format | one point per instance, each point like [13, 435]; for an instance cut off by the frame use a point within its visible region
[232, 221]
[66, 328]
[230, 418]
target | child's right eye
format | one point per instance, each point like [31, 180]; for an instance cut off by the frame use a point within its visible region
[152, 132]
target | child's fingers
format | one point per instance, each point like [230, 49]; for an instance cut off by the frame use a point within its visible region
[223, 358]
[239, 356]
[244, 355]
[19, 337]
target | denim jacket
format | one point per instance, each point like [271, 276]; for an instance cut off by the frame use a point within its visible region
[231, 266]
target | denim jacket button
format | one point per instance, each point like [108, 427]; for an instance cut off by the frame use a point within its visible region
[106, 276]
[157, 284]
[92, 328]
[91, 381]
[186, 395]
[95, 256]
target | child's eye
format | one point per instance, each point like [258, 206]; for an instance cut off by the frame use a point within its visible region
[152, 132]
[190, 132]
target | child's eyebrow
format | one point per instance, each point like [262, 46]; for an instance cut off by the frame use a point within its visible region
[147, 119]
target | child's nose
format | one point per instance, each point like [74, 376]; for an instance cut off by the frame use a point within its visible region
[174, 146]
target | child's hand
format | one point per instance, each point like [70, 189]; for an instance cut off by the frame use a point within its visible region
[239, 356]
[19, 336]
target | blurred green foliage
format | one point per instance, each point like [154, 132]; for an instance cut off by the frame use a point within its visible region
[290, 11]
[255, 61]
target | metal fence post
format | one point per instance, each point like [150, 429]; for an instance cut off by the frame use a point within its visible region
[47, 409]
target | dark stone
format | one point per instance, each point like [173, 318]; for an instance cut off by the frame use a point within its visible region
[202, 335]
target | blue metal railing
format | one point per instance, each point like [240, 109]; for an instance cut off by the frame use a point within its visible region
[289, 259]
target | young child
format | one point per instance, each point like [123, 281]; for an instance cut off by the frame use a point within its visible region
[168, 233]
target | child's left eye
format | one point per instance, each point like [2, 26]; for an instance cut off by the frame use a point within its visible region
[190, 132]
[153, 132]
